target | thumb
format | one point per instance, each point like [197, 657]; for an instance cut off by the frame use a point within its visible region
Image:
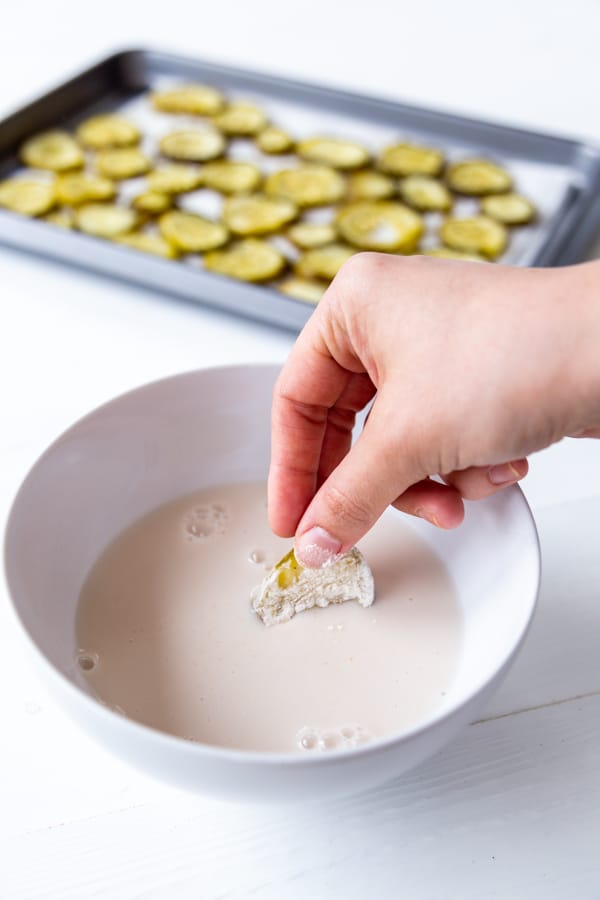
[361, 487]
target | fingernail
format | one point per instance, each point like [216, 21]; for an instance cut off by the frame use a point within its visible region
[316, 547]
[428, 516]
[505, 473]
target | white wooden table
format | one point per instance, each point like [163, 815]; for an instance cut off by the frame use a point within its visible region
[512, 808]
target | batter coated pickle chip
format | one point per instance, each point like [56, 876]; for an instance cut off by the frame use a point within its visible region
[307, 235]
[370, 185]
[274, 140]
[478, 234]
[477, 177]
[55, 150]
[257, 214]
[174, 179]
[231, 177]
[193, 146]
[75, 188]
[191, 99]
[152, 203]
[110, 130]
[510, 209]
[148, 242]
[334, 152]
[380, 225]
[447, 253]
[411, 159]
[27, 196]
[323, 262]
[425, 194]
[241, 120]
[105, 219]
[190, 233]
[247, 260]
[302, 289]
[307, 185]
[122, 162]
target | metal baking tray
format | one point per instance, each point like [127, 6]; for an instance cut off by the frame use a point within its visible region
[561, 176]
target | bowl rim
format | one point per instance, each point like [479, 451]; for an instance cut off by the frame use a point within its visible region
[257, 758]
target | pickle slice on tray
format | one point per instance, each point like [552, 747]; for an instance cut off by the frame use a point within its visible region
[229, 176]
[55, 150]
[247, 260]
[75, 188]
[510, 209]
[380, 225]
[478, 177]
[425, 194]
[370, 185]
[307, 185]
[110, 130]
[62, 218]
[302, 289]
[152, 203]
[27, 196]
[274, 140]
[323, 262]
[174, 179]
[148, 242]
[447, 253]
[241, 120]
[191, 99]
[122, 162]
[411, 159]
[311, 234]
[478, 234]
[334, 152]
[190, 233]
[257, 214]
[192, 146]
[105, 219]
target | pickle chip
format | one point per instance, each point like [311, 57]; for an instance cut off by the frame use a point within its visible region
[257, 214]
[248, 260]
[478, 234]
[241, 120]
[380, 225]
[62, 218]
[149, 243]
[54, 150]
[105, 219]
[323, 262]
[274, 140]
[411, 159]
[370, 185]
[447, 253]
[174, 179]
[510, 209]
[334, 152]
[307, 235]
[123, 162]
[190, 233]
[231, 177]
[152, 202]
[302, 289]
[192, 146]
[307, 185]
[76, 188]
[194, 99]
[109, 130]
[425, 193]
[478, 177]
[26, 196]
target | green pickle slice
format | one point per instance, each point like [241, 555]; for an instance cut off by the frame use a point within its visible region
[100, 132]
[27, 196]
[174, 179]
[478, 177]
[478, 234]
[55, 150]
[75, 188]
[62, 218]
[105, 219]
[152, 202]
[122, 162]
[307, 185]
[257, 214]
[190, 233]
[191, 99]
[192, 146]
[510, 209]
[370, 185]
[302, 289]
[380, 225]
[307, 235]
[241, 120]
[425, 194]
[231, 177]
[148, 242]
[323, 262]
[247, 260]
[447, 253]
[411, 159]
[334, 152]
[274, 140]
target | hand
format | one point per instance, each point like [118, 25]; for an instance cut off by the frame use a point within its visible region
[472, 368]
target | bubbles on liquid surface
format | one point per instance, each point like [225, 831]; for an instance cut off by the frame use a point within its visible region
[324, 740]
[205, 520]
[257, 557]
[87, 660]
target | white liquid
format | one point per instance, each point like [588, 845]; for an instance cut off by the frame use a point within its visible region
[167, 636]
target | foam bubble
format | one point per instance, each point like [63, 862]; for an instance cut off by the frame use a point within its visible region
[205, 520]
[87, 660]
[324, 740]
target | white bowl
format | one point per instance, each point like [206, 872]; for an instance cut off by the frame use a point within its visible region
[205, 428]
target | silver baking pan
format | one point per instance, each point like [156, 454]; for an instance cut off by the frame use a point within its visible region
[561, 176]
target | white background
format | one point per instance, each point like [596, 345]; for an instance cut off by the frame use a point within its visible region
[512, 809]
